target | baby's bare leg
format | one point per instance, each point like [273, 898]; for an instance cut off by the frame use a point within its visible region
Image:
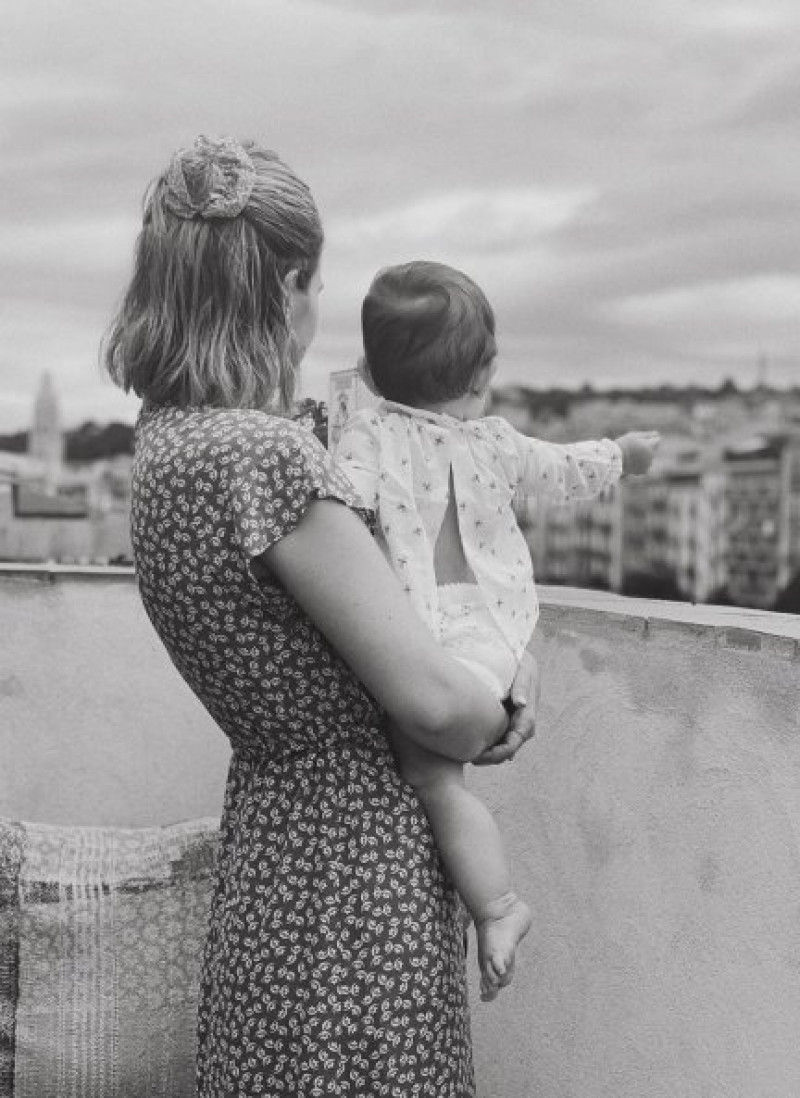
[473, 853]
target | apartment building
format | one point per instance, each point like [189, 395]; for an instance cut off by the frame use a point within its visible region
[762, 497]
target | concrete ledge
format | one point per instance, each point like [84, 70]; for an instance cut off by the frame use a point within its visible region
[687, 613]
[552, 598]
[64, 573]
[652, 824]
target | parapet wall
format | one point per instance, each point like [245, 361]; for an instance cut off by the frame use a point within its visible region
[96, 726]
[653, 824]
[655, 831]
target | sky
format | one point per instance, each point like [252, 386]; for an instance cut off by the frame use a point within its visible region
[622, 179]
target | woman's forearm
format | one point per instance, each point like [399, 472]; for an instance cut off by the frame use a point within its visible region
[460, 718]
[332, 567]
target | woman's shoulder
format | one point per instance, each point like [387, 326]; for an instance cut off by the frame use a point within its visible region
[228, 435]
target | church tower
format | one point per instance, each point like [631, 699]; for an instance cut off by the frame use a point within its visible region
[46, 439]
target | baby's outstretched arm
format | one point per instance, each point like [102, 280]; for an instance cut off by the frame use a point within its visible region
[565, 472]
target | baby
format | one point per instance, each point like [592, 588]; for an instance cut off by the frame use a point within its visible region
[442, 480]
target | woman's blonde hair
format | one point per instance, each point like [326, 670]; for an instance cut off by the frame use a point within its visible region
[204, 321]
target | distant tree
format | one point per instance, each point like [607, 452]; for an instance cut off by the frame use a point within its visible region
[659, 584]
[14, 444]
[788, 601]
[721, 596]
[595, 582]
[91, 442]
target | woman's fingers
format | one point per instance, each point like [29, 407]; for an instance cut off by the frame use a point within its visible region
[524, 692]
[497, 754]
[523, 725]
[520, 730]
[523, 680]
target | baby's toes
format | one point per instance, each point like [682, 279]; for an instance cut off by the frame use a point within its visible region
[506, 975]
[506, 979]
[488, 990]
[498, 966]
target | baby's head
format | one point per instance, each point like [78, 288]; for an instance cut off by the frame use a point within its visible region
[428, 333]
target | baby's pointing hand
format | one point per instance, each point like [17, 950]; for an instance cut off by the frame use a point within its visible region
[638, 450]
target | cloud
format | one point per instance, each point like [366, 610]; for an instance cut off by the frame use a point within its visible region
[732, 306]
[596, 167]
[74, 244]
[472, 220]
[64, 339]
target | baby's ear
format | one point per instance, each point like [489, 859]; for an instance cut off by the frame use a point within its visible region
[484, 377]
[363, 372]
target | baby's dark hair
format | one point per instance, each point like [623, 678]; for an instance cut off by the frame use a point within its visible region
[427, 329]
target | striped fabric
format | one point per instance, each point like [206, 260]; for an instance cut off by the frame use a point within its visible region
[101, 935]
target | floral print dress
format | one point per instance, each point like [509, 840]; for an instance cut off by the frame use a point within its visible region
[334, 964]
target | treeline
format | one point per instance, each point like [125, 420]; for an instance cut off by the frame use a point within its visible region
[558, 402]
[89, 442]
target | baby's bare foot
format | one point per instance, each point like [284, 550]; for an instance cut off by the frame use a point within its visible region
[504, 925]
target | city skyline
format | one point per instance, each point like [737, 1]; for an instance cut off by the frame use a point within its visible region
[623, 183]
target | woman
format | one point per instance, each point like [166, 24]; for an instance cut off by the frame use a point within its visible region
[334, 963]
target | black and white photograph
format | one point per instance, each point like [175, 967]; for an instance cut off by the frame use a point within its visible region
[399, 549]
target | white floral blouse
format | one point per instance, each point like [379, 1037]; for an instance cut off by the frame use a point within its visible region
[400, 459]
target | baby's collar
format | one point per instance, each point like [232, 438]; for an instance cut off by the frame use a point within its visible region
[441, 419]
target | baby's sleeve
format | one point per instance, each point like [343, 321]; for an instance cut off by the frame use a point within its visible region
[559, 473]
[357, 455]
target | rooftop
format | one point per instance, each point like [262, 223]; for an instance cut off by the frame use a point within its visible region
[653, 824]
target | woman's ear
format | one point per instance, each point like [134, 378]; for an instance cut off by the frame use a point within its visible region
[290, 280]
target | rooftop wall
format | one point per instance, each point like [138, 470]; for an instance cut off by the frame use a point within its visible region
[96, 726]
[653, 825]
[655, 830]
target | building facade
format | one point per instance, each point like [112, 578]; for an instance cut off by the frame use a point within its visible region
[763, 507]
[52, 511]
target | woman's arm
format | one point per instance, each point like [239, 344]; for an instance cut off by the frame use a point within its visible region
[331, 566]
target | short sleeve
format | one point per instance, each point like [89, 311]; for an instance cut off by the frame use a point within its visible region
[272, 481]
[358, 456]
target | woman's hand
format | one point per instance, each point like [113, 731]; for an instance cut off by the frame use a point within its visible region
[525, 690]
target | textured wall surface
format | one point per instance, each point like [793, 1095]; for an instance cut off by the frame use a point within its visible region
[654, 824]
[655, 830]
[96, 726]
